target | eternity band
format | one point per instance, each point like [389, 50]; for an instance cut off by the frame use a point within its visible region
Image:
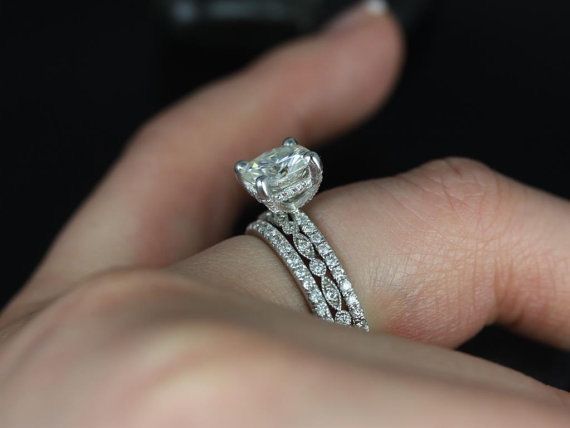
[284, 180]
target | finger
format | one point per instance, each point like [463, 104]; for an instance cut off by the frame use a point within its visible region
[173, 192]
[170, 351]
[434, 254]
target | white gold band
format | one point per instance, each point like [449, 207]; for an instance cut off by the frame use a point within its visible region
[276, 240]
[314, 265]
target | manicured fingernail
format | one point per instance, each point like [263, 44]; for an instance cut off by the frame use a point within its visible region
[356, 14]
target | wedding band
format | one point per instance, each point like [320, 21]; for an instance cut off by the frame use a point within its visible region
[285, 179]
[295, 264]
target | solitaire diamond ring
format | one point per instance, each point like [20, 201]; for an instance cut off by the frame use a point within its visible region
[284, 180]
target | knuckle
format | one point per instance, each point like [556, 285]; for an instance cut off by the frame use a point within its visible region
[458, 168]
[464, 192]
[227, 366]
[452, 216]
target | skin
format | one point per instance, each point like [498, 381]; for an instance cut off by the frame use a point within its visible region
[134, 319]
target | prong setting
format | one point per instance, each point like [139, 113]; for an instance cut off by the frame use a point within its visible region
[315, 164]
[289, 142]
[262, 188]
[314, 160]
[240, 167]
[283, 179]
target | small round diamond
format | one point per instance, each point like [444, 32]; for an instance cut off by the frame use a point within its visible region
[351, 299]
[316, 237]
[337, 271]
[345, 285]
[315, 296]
[308, 227]
[323, 311]
[343, 317]
[280, 218]
[324, 248]
[290, 227]
[331, 259]
[363, 324]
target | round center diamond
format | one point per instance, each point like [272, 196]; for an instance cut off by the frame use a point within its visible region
[283, 179]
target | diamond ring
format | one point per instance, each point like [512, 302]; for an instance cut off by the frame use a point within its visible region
[284, 180]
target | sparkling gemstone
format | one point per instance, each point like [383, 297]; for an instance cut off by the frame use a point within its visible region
[316, 237]
[304, 245]
[331, 293]
[318, 267]
[357, 311]
[351, 299]
[278, 218]
[345, 285]
[278, 165]
[308, 227]
[343, 317]
[289, 175]
[331, 259]
[337, 271]
[363, 324]
[315, 296]
[323, 311]
[324, 248]
[295, 262]
[290, 227]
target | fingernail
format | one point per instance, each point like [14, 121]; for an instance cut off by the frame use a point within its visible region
[356, 14]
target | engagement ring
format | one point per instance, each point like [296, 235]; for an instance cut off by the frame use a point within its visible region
[284, 180]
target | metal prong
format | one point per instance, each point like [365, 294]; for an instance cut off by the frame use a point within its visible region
[240, 167]
[314, 161]
[261, 188]
[289, 142]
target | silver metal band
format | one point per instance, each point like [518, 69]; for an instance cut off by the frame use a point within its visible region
[276, 240]
[314, 265]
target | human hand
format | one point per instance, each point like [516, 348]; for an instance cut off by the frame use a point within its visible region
[134, 319]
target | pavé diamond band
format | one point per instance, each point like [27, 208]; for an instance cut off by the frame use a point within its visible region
[295, 264]
[284, 180]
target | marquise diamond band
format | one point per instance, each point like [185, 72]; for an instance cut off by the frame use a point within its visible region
[284, 180]
[295, 264]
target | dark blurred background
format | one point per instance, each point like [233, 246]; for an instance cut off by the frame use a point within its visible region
[486, 79]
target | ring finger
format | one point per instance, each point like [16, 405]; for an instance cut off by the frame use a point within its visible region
[434, 254]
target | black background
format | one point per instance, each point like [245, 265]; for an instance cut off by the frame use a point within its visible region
[485, 79]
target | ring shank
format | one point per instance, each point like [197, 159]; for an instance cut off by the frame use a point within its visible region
[313, 264]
